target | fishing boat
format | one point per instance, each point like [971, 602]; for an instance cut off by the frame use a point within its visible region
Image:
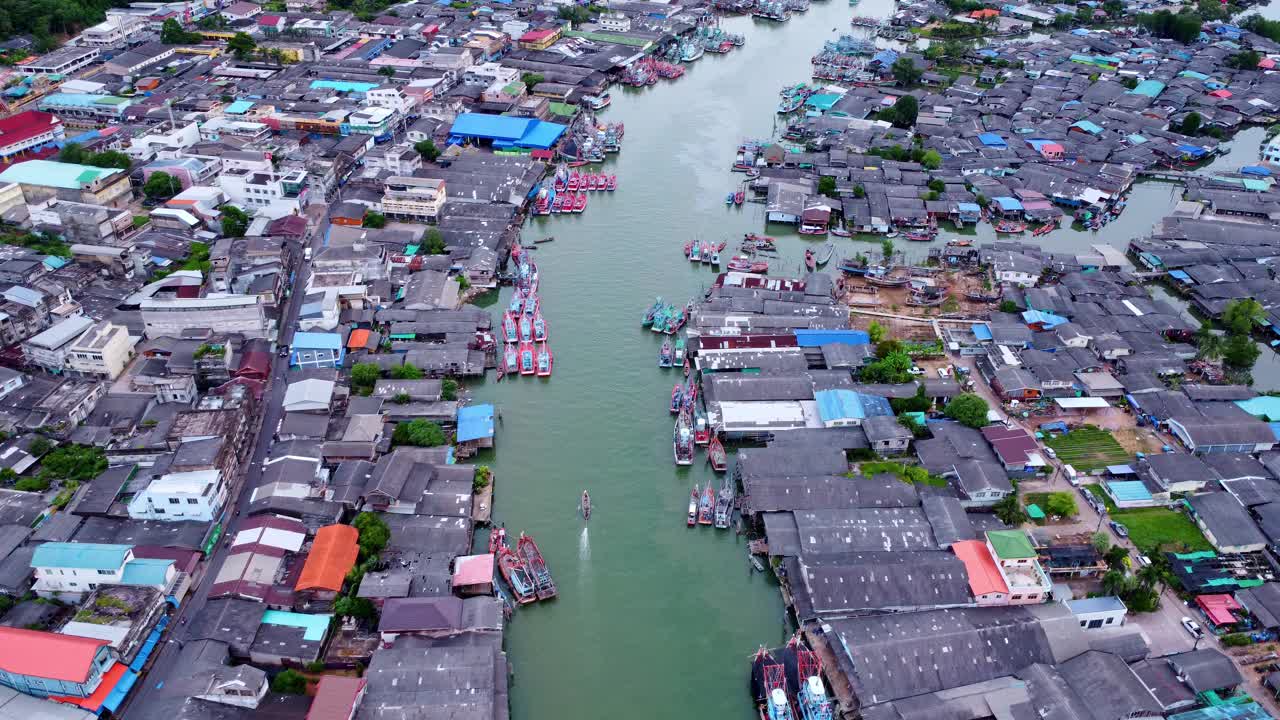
[759, 242]
[612, 183]
[706, 253]
[693, 506]
[664, 355]
[539, 328]
[824, 254]
[509, 327]
[531, 306]
[677, 398]
[516, 304]
[575, 178]
[1044, 229]
[1010, 227]
[695, 253]
[545, 360]
[769, 680]
[579, 202]
[512, 359]
[701, 430]
[513, 570]
[528, 551]
[682, 440]
[716, 454]
[880, 276]
[740, 263]
[728, 199]
[840, 232]
[919, 235]
[715, 258]
[810, 263]
[707, 505]
[526, 359]
[497, 538]
[585, 506]
[812, 697]
[653, 310]
[677, 356]
[739, 197]
[526, 329]
[557, 204]
[724, 503]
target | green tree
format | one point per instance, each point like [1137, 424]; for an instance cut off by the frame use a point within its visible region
[1116, 556]
[356, 607]
[433, 242]
[886, 249]
[905, 71]
[109, 159]
[1240, 352]
[531, 80]
[172, 33]
[1183, 27]
[1008, 306]
[427, 150]
[1209, 344]
[365, 374]
[859, 191]
[72, 153]
[575, 14]
[242, 46]
[876, 331]
[234, 221]
[1115, 583]
[374, 533]
[161, 186]
[39, 445]
[40, 483]
[449, 389]
[937, 185]
[289, 682]
[931, 160]
[75, 463]
[1101, 542]
[904, 111]
[1241, 315]
[1269, 29]
[387, 71]
[1190, 124]
[892, 368]
[1245, 60]
[919, 402]
[402, 398]
[374, 220]
[418, 432]
[1010, 511]
[967, 409]
[1061, 504]
[406, 371]
[827, 186]
[483, 476]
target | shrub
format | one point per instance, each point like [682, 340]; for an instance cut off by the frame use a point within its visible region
[289, 682]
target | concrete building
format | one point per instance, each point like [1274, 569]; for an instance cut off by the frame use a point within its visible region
[91, 224]
[44, 180]
[413, 198]
[103, 351]
[220, 313]
[1019, 566]
[49, 349]
[86, 108]
[47, 664]
[60, 62]
[198, 495]
[273, 194]
[75, 569]
[1099, 612]
[111, 31]
[29, 130]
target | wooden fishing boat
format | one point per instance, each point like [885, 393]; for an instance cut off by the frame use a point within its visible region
[824, 255]
[516, 574]
[528, 551]
[701, 430]
[706, 253]
[743, 264]
[526, 329]
[810, 263]
[707, 505]
[1044, 229]
[739, 197]
[497, 538]
[695, 253]
[545, 360]
[840, 232]
[612, 183]
[1010, 227]
[653, 310]
[557, 205]
[526, 359]
[919, 235]
[715, 258]
[509, 330]
[580, 202]
[678, 352]
[693, 506]
[664, 355]
[724, 503]
[716, 455]
[677, 398]
[682, 440]
[574, 180]
[584, 506]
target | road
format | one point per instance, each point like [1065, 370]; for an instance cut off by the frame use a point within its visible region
[163, 664]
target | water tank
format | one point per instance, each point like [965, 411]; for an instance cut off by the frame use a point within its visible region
[815, 686]
[778, 697]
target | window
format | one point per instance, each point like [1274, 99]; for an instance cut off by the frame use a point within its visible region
[193, 501]
[106, 572]
[1016, 597]
[173, 501]
[75, 585]
[1110, 620]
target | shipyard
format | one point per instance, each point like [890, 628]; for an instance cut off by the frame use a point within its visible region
[793, 359]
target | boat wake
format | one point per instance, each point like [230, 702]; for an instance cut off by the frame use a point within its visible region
[584, 547]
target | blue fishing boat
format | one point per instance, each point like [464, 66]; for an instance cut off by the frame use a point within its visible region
[677, 398]
[695, 252]
[653, 310]
[728, 199]
[664, 355]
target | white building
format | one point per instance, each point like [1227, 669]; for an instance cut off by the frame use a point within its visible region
[487, 74]
[164, 141]
[49, 349]
[614, 22]
[1099, 612]
[310, 395]
[1271, 152]
[102, 352]
[392, 98]
[197, 495]
[111, 31]
[75, 569]
[413, 197]
[61, 62]
[266, 192]
[168, 317]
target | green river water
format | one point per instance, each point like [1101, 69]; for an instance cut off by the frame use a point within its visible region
[655, 619]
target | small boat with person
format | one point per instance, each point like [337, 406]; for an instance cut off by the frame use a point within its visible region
[810, 262]
[585, 506]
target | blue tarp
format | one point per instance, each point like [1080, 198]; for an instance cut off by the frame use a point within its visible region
[818, 338]
[1048, 320]
[992, 140]
[836, 405]
[982, 331]
[1087, 126]
[1255, 170]
[121, 691]
[149, 645]
[1192, 150]
[475, 422]
[1179, 275]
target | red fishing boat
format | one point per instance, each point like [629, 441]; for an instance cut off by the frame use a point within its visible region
[716, 455]
[1010, 227]
[707, 505]
[557, 205]
[526, 358]
[574, 180]
[739, 197]
[693, 506]
[747, 265]
[516, 574]
[580, 202]
[541, 576]
[497, 538]
[1044, 229]
[544, 360]
[701, 430]
[590, 182]
[612, 183]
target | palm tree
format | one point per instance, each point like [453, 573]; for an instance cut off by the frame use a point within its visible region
[1114, 583]
[1209, 344]
[1153, 577]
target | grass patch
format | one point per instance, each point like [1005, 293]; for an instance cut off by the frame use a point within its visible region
[1088, 448]
[908, 474]
[140, 220]
[1157, 529]
[1066, 501]
[1101, 495]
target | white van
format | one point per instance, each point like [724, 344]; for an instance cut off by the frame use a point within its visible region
[1072, 475]
[306, 254]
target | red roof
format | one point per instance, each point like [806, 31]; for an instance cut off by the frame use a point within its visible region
[986, 13]
[1218, 608]
[336, 697]
[25, 125]
[473, 570]
[1266, 63]
[269, 19]
[1013, 445]
[94, 702]
[984, 576]
[536, 35]
[333, 554]
[358, 338]
[36, 653]
[1220, 93]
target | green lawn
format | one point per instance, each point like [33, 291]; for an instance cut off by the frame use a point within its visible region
[1042, 499]
[1097, 492]
[1088, 448]
[1155, 529]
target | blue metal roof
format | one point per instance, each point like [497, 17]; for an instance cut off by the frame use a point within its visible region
[844, 404]
[507, 131]
[992, 140]
[317, 341]
[87, 556]
[475, 422]
[817, 338]
[314, 626]
[1085, 125]
[1255, 170]
[1128, 490]
[1049, 320]
[1149, 88]
[146, 571]
[1180, 275]
[239, 107]
[1008, 203]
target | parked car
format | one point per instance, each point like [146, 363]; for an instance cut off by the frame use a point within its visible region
[1120, 530]
[1053, 455]
[1144, 560]
[915, 371]
[1073, 477]
[1192, 627]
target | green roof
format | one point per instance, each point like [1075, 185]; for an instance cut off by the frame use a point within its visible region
[313, 626]
[54, 174]
[87, 556]
[1035, 512]
[1010, 544]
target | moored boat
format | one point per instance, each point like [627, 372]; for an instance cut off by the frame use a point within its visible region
[526, 359]
[528, 551]
[739, 197]
[516, 574]
[728, 199]
[512, 359]
[701, 430]
[509, 331]
[812, 696]
[612, 183]
[724, 503]
[649, 314]
[579, 202]
[707, 505]
[716, 454]
[810, 263]
[682, 440]
[823, 255]
[695, 253]
[840, 232]
[693, 506]
[677, 355]
[526, 329]
[747, 265]
[664, 355]
[677, 398]
[545, 360]
[497, 538]
[539, 328]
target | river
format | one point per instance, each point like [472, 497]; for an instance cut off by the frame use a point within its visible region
[654, 618]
